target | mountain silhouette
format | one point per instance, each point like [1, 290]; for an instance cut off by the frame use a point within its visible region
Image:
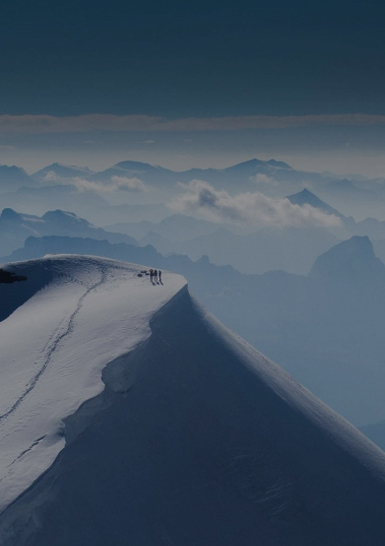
[306, 197]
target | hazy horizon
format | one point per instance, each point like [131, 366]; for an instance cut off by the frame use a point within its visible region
[346, 164]
[208, 84]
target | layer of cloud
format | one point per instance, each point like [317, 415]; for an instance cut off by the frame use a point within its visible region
[38, 124]
[117, 183]
[254, 209]
[262, 179]
[51, 176]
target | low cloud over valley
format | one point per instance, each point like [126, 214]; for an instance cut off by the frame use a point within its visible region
[251, 208]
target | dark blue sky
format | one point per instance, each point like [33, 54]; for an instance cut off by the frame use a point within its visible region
[198, 58]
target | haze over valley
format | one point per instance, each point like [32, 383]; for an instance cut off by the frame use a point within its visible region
[294, 276]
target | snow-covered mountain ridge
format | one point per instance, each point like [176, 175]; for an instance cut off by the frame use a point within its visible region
[54, 348]
[170, 429]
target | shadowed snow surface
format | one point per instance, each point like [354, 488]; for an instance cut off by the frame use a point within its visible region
[192, 438]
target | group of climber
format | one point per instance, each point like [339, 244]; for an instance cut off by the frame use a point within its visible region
[155, 275]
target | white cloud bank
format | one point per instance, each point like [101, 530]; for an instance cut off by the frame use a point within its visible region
[254, 209]
[35, 124]
[261, 179]
[51, 176]
[117, 183]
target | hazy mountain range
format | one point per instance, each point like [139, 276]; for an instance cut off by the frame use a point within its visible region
[39, 200]
[292, 249]
[272, 170]
[15, 228]
[136, 198]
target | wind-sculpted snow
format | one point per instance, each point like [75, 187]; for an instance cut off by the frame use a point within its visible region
[171, 429]
[54, 348]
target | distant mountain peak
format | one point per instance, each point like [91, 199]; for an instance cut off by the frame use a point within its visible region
[55, 164]
[138, 165]
[57, 171]
[63, 165]
[9, 214]
[131, 163]
[12, 178]
[352, 258]
[344, 183]
[253, 161]
[12, 168]
[58, 213]
[280, 164]
[306, 197]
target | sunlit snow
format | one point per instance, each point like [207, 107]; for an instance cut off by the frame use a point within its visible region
[54, 348]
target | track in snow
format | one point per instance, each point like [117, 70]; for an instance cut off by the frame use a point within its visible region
[53, 345]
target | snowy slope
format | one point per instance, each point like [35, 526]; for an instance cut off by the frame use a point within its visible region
[54, 348]
[175, 431]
